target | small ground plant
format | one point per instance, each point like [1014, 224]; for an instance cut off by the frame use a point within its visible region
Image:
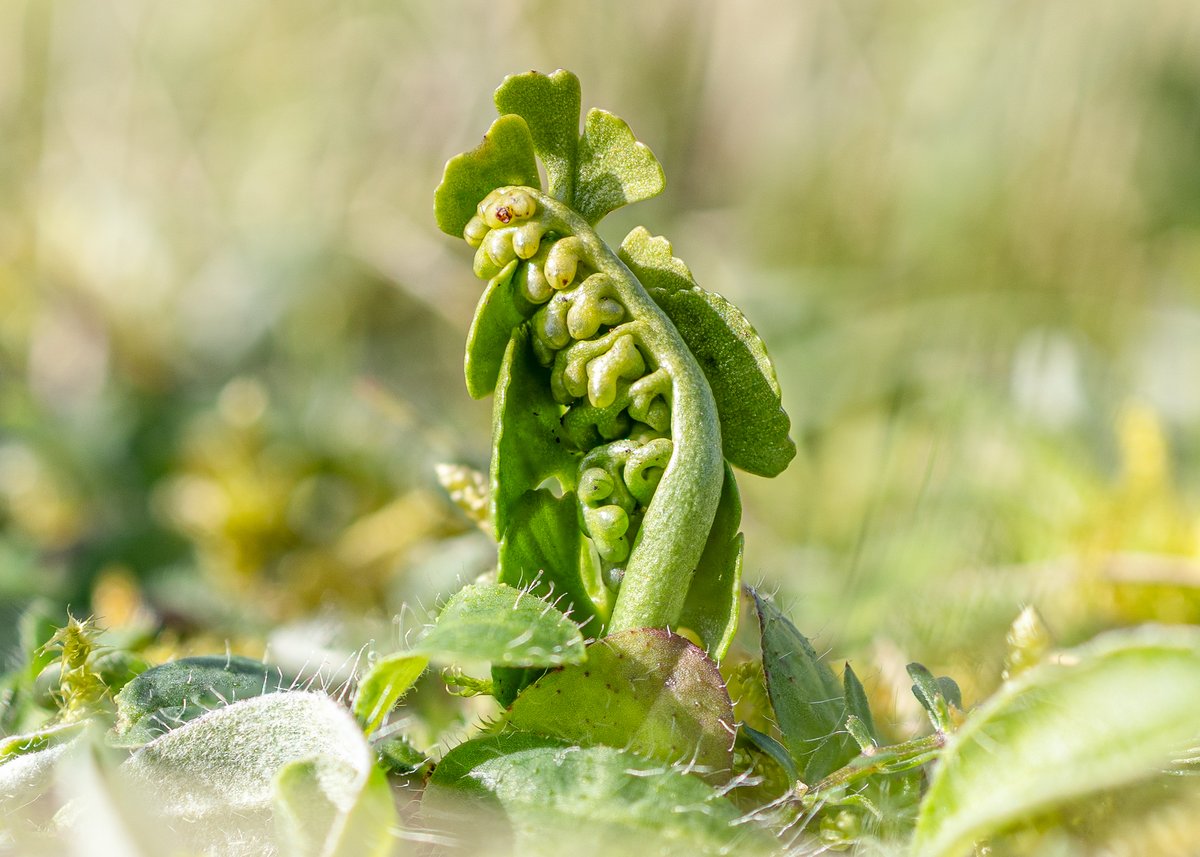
[631, 712]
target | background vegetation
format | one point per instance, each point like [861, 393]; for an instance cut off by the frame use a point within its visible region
[230, 343]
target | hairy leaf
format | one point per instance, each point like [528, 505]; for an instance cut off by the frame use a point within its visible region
[27, 798]
[713, 598]
[38, 740]
[549, 104]
[502, 625]
[167, 696]
[505, 157]
[806, 696]
[213, 780]
[614, 168]
[754, 426]
[647, 691]
[1105, 714]
[557, 799]
[385, 683]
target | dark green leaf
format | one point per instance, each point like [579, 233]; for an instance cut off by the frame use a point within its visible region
[713, 599]
[950, 691]
[505, 157]
[856, 701]
[528, 445]
[648, 691]
[167, 696]
[932, 694]
[1104, 715]
[806, 696]
[768, 745]
[614, 168]
[754, 426]
[549, 104]
[398, 756]
[559, 799]
[499, 311]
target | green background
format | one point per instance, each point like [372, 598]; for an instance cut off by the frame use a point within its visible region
[231, 334]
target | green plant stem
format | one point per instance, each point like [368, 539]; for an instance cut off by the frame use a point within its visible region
[884, 760]
[677, 521]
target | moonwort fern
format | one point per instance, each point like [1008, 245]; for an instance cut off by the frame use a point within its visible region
[623, 391]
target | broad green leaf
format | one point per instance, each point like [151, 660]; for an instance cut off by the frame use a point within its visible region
[557, 799]
[167, 696]
[380, 689]
[499, 312]
[647, 691]
[549, 104]
[806, 696]
[856, 701]
[502, 625]
[1103, 715]
[505, 157]
[213, 780]
[614, 168]
[319, 812]
[713, 598]
[541, 549]
[528, 445]
[754, 426]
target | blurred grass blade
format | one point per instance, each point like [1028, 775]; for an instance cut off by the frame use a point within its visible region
[1106, 714]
